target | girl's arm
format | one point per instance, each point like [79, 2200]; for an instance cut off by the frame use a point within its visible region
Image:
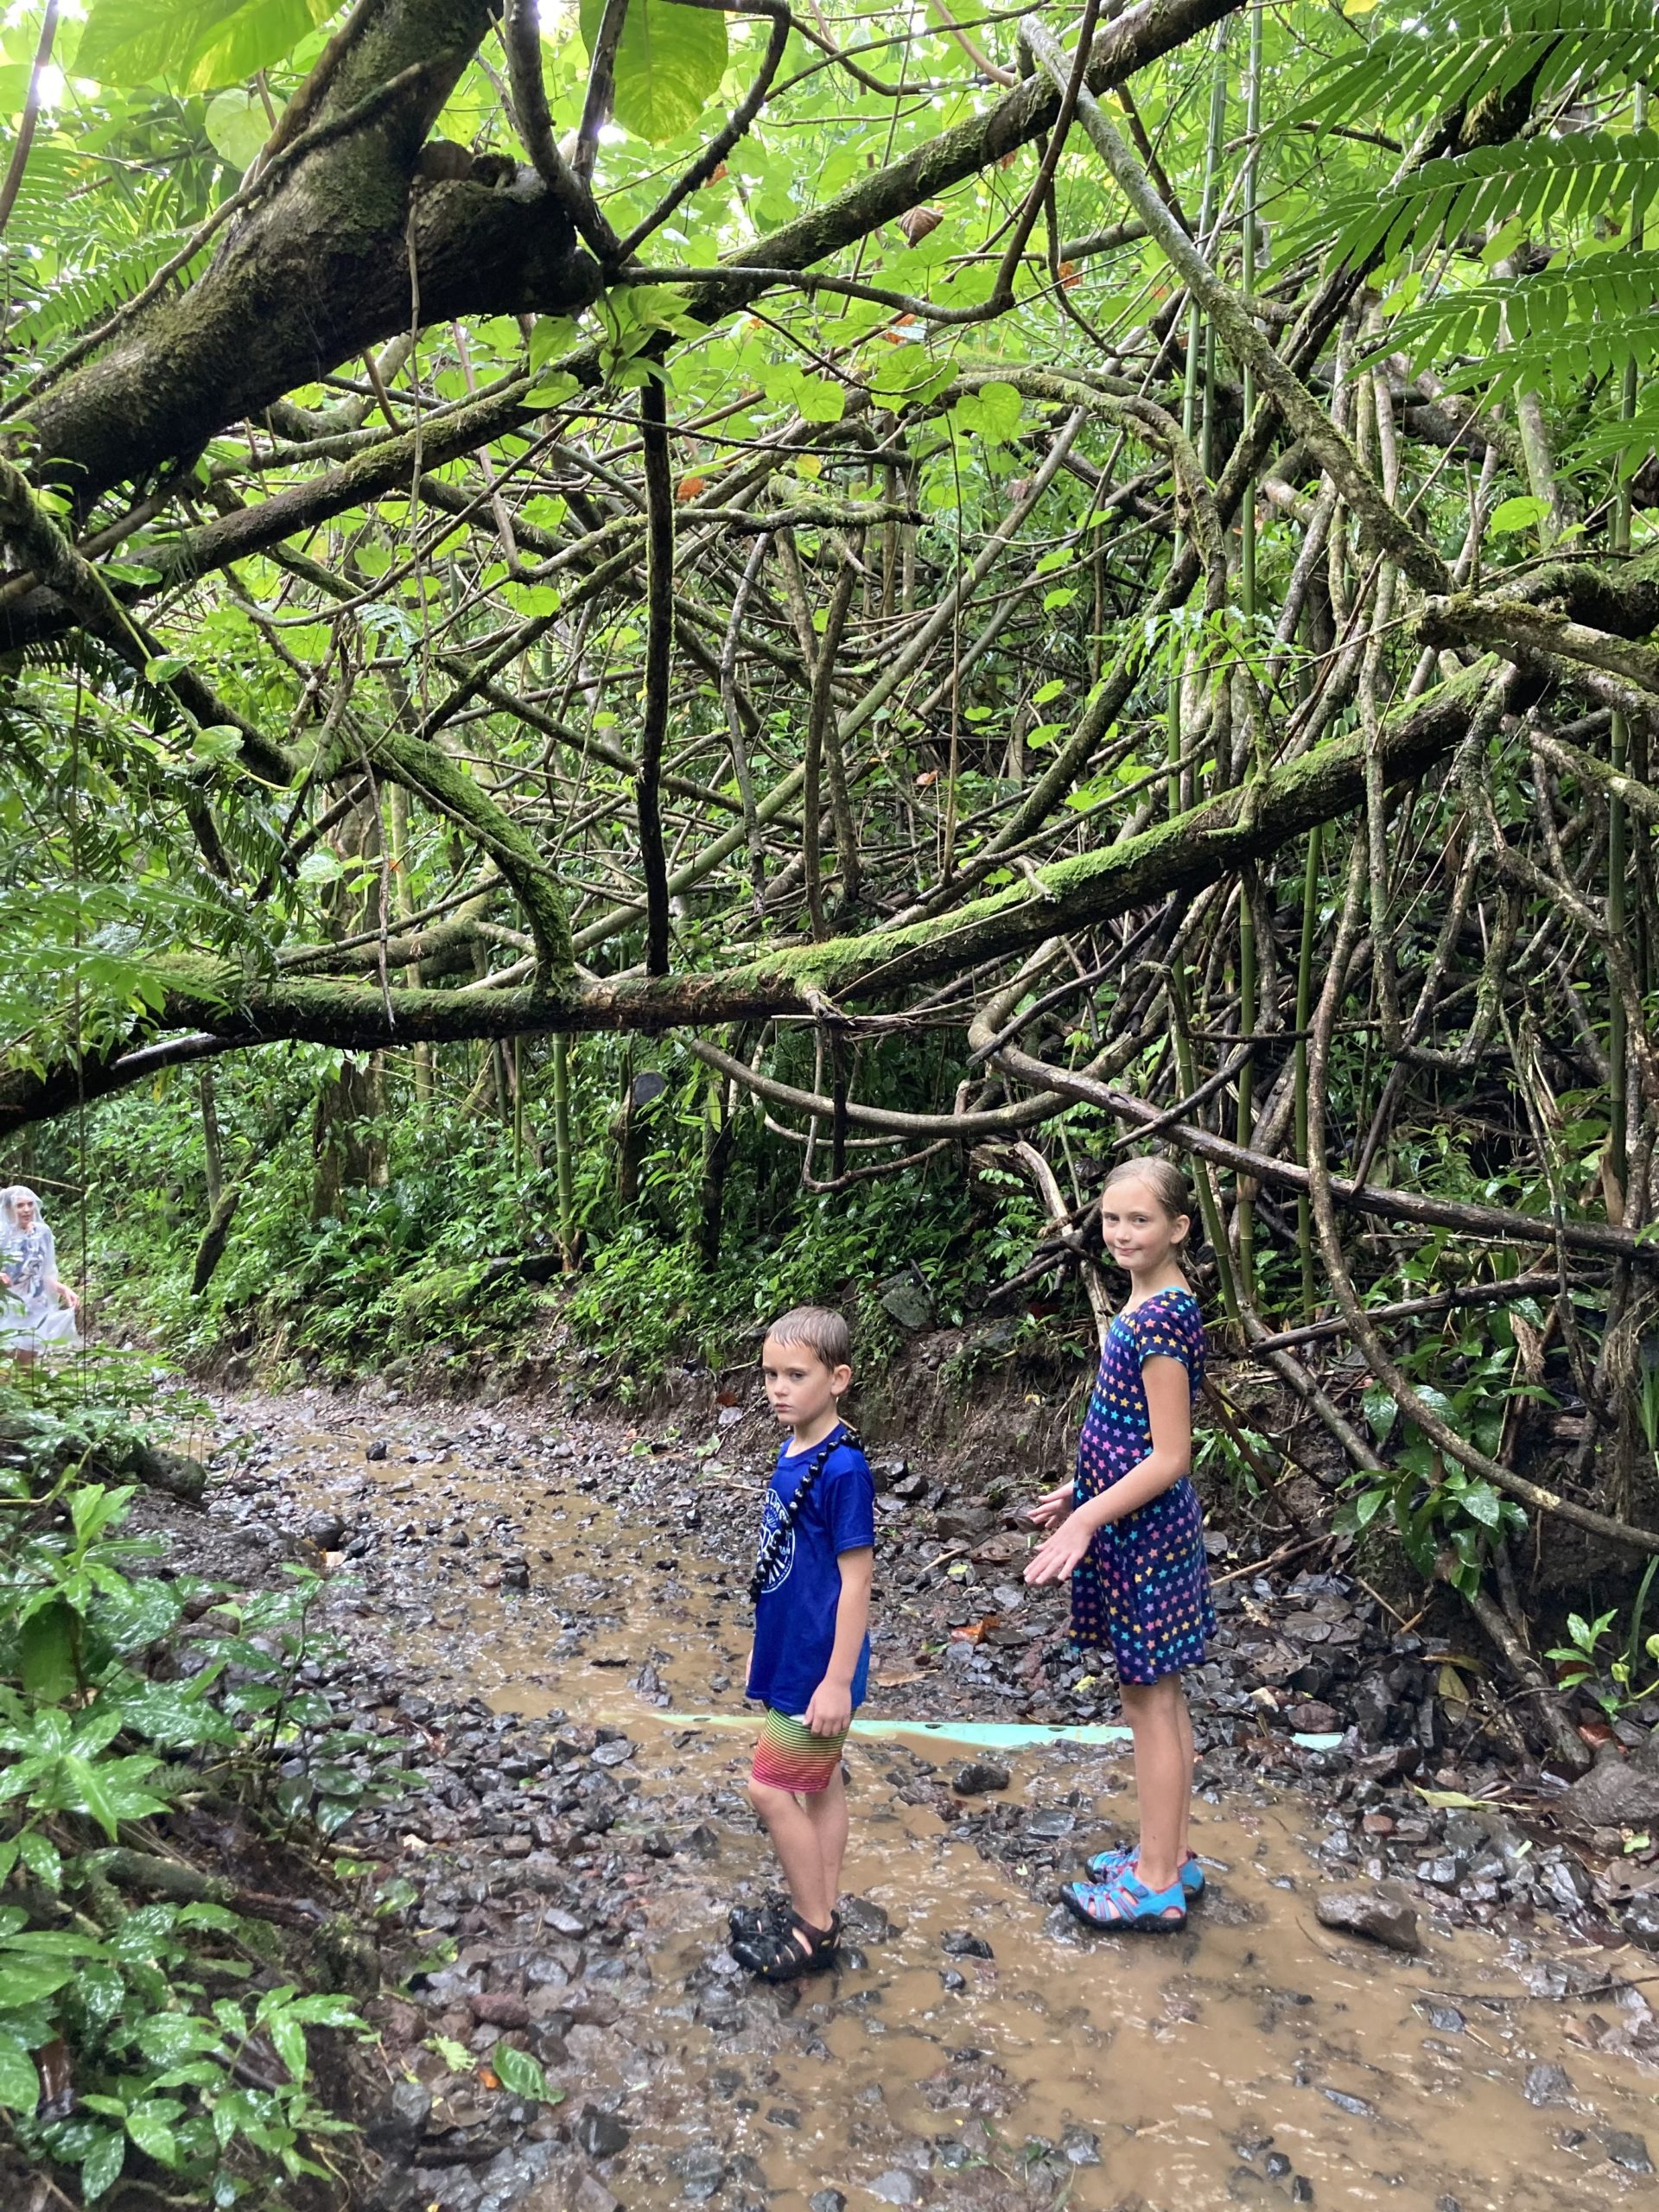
[831, 1705]
[1169, 1409]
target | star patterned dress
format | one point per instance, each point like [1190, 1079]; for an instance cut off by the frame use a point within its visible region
[1143, 1588]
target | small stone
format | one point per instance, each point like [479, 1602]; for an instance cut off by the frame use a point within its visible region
[1628, 2151]
[705, 2171]
[499, 2008]
[601, 2135]
[326, 1530]
[613, 1753]
[896, 2187]
[515, 1575]
[979, 1779]
[1547, 2085]
[377, 1450]
[1313, 1717]
[963, 1944]
[1445, 2018]
[1356, 2108]
[1081, 2146]
[1372, 1911]
[568, 1924]
[397, 2128]
[826, 2200]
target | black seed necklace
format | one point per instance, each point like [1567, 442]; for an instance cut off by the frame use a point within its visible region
[771, 1546]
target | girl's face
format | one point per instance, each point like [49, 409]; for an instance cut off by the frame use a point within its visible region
[1135, 1229]
[25, 1211]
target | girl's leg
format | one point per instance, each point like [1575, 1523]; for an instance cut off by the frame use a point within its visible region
[1189, 1758]
[1163, 1776]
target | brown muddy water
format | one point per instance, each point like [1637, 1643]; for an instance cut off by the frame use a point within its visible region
[1255, 2059]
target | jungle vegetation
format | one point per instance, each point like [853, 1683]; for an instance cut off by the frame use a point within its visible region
[719, 647]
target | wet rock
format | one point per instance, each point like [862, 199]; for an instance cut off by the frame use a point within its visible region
[1081, 2146]
[907, 1298]
[1628, 2151]
[962, 1943]
[896, 2187]
[500, 2008]
[703, 1841]
[326, 1530]
[515, 1575]
[867, 1920]
[1618, 1792]
[396, 2129]
[378, 1450]
[601, 2135]
[826, 2200]
[1311, 1717]
[1547, 2085]
[704, 2172]
[979, 1779]
[1445, 2019]
[1356, 2108]
[1369, 1911]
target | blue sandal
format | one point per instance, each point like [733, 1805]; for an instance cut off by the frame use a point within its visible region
[1125, 1902]
[1107, 1865]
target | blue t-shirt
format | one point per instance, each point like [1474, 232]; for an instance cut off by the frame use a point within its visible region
[795, 1618]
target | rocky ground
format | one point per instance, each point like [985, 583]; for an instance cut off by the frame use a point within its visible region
[1416, 1970]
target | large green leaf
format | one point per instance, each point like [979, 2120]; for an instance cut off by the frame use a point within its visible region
[46, 1653]
[20, 2085]
[669, 64]
[193, 44]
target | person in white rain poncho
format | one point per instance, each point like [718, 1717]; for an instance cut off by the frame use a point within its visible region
[37, 1312]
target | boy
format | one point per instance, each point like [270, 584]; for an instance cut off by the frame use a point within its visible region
[811, 1655]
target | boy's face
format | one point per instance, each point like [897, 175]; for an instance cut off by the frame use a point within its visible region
[800, 1389]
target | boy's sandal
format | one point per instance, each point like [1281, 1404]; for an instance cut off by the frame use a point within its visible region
[1125, 1903]
[1107, 1865]
[774, 1954]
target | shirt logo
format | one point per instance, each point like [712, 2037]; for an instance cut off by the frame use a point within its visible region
[771, 1519]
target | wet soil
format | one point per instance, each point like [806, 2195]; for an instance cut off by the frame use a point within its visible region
[554, 1612]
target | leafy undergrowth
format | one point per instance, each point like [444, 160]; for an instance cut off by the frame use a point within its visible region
[181, 1959]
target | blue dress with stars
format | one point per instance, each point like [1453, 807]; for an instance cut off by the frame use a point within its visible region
[1143, 1587]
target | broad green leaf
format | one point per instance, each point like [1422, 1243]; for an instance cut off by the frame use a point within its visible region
[46, 1653]
[521, 2074]
[193, 45]
[101, 2167]
[153, 2134]
[20, 2085]
[669, 65]
[24, 1981]
[1521, 513]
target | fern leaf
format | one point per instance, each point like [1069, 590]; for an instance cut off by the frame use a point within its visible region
[1533, 181]
[1454, 52]
[1589, 320]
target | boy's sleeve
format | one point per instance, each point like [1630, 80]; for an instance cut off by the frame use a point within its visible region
[849, 1502]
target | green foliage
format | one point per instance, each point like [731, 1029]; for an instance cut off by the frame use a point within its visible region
[669, 64]
[196, 43]
[111, 1717]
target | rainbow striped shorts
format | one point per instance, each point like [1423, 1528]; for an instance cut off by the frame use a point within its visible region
[790, 1756]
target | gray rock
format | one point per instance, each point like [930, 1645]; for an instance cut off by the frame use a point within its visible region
[963, 1944]
[1357, 2107]
[326, 1530]
[1547, 2085]
[826, 2200]
[1618, 1792]
[1081, 2146]
[979, 1779]
[1369, 1911]
[395, 2130]
[896, 2187]
[377, 1450]
[1629, 2152]
[601, 2135]
[704, 2171]
[908, 1299]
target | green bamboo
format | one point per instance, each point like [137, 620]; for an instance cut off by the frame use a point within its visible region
[561, 1152]
[1304, 1016]
[1617, 819]
[1244, 1126]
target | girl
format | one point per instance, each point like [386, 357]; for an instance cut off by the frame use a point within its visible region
[37, 1312]
[1129, 1534]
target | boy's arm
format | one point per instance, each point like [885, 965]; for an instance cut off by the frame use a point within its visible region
[831, 1705]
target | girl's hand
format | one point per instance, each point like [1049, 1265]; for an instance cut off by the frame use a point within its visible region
[1051, 1506]
[68, 1298]
[1064, 1552]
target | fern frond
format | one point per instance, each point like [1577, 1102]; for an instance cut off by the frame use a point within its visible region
[86, 297]
[1532, 182]
[1591, 319]
[1456, 51]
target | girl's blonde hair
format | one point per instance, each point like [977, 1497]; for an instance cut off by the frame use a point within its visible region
[1162, 1177]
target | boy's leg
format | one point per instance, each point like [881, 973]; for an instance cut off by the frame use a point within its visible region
[827, 1810]
[1163, 1776]
[795, 1839]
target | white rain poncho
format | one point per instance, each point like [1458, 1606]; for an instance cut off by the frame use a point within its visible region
[35, 1314]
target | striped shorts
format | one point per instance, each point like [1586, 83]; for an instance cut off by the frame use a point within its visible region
[790, 1756]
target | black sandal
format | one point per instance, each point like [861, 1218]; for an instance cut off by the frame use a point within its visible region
[773, 1953]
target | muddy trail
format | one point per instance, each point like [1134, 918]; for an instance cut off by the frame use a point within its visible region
[553, 1612]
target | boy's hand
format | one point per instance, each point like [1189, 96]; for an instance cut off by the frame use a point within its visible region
[830, 1711]
[1051, 1506]
[1058, 1559]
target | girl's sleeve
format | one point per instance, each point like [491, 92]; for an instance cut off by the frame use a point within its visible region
[1160, 1334]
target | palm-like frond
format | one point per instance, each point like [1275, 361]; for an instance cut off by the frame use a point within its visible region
[1532, 182]
[1550, 332]
[1455, 51]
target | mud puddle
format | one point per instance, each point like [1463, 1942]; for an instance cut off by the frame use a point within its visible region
[977, 2050]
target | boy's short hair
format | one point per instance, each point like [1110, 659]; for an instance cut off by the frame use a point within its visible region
[820, 1330]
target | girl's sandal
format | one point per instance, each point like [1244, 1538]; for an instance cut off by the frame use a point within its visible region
[1107, 1865]
[776, 1954]
[1125, 1902]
